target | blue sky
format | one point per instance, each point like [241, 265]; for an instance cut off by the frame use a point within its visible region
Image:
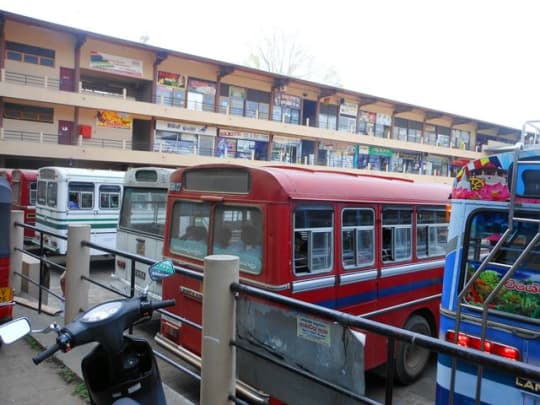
[474, 58]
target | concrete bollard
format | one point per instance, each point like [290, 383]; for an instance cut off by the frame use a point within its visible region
[16, 240]
[218, 374]
[77, 265]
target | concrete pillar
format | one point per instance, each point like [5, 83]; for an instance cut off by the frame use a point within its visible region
[77, 265]
[16, 240]
[218, 374]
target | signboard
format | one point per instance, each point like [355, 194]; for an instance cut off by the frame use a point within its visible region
[224, 133]
[348, 109]
[116, 64]
[185, 128]
[376, 150]
[173, 80]
[113, 119]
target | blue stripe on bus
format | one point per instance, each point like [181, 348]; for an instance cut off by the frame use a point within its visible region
[402, 288]
[472, 370]
[442, 397]
[357, 299]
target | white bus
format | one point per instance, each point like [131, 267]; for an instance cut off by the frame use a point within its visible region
[67, 196]
[141, 225]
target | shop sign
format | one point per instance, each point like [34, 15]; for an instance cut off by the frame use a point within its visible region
[286, 141]
[349, 109]
[172, 80]
[363, 149]
[185, 128]
[409, 156]
[237, 92]
[378, 151]
[202, 87]
[368, 116]
[113, 119]
[116, 64]
[384, 119]
[224, 133]
[286, 100]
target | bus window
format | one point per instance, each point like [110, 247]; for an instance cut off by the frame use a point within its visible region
[431, 232]
[238, 231]
[519, 295]
[396, 234]
[143, 210]
[357, 238]
[109, 197]
[33, 193]
[52, 197]
[42, 192]
[189, 229]
[315, 224]
[82, 193]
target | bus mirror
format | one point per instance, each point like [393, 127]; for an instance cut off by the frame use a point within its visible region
[160, 270]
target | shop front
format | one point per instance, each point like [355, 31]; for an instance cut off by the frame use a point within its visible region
[182, 138]
[286, 150]
[337, 155]
[242, 145]
[374, 158]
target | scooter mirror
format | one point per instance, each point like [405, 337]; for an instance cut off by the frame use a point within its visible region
[14, 330]
[160, 270]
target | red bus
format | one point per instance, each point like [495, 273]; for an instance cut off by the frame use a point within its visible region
[363, 244]
[24, 187]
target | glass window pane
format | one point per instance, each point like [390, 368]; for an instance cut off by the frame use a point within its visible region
[189, 229]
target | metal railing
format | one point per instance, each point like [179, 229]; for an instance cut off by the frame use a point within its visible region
[234, 291]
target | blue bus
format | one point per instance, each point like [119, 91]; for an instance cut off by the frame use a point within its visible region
[491, 286]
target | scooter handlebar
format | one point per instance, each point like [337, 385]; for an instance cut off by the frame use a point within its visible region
[163, 304]
[150, 306]
[46, 353]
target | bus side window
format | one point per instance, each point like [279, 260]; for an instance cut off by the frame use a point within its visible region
[300, 254]
[387, 252]
[313, 239]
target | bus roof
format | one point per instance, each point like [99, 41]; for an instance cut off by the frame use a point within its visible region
[282, 183]
[135, 175]
[65, 172]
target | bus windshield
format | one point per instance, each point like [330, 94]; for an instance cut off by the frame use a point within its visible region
[236, 230]
[520, 294]
[144, 210]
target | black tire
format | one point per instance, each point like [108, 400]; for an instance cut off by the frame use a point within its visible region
[411, 360]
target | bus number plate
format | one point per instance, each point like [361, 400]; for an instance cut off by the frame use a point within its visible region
[140, 274]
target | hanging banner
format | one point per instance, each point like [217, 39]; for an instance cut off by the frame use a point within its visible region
[113, 119]
[173, 80]
[116, 64]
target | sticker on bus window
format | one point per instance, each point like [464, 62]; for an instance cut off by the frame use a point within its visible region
[520, 294]
[314, 330]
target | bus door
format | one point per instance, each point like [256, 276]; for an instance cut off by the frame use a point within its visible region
[315, 275]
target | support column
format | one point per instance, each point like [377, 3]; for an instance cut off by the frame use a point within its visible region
[218, 374]
[77, 265]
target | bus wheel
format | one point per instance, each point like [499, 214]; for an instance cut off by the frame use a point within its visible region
[410, 359]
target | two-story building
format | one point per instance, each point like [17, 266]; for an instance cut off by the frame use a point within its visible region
[72, 97]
